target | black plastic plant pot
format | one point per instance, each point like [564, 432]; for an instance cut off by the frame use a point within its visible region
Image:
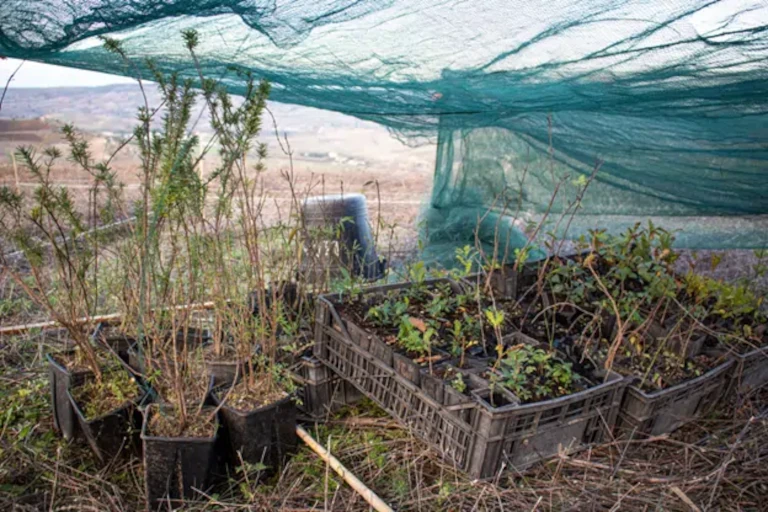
[434, 385]
[194, 337]
[266, 435]
[117, 342]
[406, 368]
[113, 434]
[751, 371]
[381, 350]
[413, 372]
[359, 336]
[460, 403]
[223, 372]
[175, 468]
[496, 398]
[60, 378]
[689, 347]
[289, 295]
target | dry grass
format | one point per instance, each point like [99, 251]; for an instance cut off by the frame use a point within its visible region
[718, 463]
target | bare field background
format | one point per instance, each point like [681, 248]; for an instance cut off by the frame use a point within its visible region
[331, 153]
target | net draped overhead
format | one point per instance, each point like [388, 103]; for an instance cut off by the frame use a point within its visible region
[665, 102]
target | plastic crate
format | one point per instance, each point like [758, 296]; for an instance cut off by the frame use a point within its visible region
[517, 436]
[750, 371]
[474, 436]
[664, 411]
[435, 423]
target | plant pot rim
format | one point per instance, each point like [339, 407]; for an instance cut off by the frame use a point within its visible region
[145, 436]
[51, 357]
[721, 368]
[249, 412]
[614, 379]
[128, 403]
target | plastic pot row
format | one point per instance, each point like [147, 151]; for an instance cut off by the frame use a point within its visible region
[177, 468]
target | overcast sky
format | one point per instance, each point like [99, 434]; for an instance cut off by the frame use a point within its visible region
[33, 74]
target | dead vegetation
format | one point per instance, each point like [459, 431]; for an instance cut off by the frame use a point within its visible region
[715, 464]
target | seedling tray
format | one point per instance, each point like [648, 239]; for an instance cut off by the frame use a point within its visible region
[435, 423]
[471, 434]
[667, 410]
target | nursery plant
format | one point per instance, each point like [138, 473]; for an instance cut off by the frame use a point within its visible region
[534, 374]
[200, 238]
[616, 305]
[59, 253]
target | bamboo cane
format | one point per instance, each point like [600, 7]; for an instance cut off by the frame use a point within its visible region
[22, 328]
[354, 482]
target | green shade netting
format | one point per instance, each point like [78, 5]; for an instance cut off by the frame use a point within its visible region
[667, 100]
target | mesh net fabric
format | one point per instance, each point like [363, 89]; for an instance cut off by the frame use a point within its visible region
[668, 100]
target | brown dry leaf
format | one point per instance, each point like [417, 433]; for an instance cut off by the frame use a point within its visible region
[418, 323]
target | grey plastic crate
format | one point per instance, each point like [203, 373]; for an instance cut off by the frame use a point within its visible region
[664, 411]
[438, 425]
[476, 437]
[517, 436]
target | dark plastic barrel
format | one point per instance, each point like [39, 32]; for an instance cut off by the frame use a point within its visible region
[339, 236]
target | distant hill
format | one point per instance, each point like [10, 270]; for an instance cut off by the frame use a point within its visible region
[113, 109]
[108, 113]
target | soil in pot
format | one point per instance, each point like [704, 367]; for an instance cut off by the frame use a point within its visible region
[108, 413]
[65, 370]
[438, 306]
[534, 374]
[178, 459]
[655, 368]
[260, 424]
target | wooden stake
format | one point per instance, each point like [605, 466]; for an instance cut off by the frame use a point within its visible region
[19, 329]
[368, 495]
